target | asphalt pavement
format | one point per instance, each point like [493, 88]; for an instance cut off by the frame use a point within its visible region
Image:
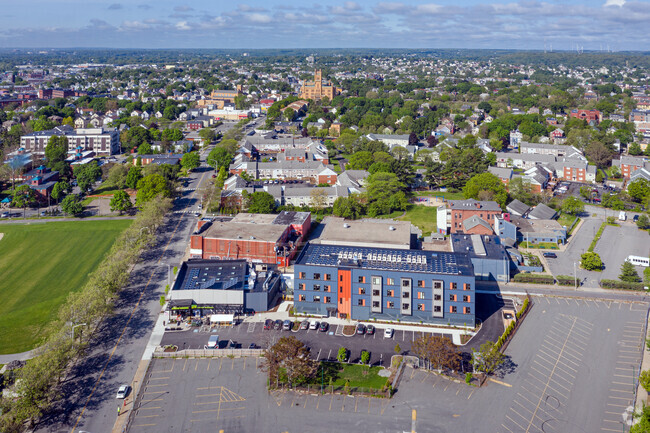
[87, 400]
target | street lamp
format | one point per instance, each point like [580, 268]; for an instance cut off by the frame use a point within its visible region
[72, 330]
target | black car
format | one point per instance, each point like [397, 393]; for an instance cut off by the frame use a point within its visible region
[550, 255]
[370, 329]
[252, 346]
[323, 327]
[277, 325]
[268, 324]
[361, 329]
[635, 218]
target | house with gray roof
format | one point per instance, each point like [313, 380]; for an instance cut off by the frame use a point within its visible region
[518, 208]
[542, 212]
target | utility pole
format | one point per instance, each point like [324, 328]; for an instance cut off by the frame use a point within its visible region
[575, 275]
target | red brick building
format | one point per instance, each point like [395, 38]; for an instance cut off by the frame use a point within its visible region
[454, 213]
[259, 238]
[628, 164]
[588, 115]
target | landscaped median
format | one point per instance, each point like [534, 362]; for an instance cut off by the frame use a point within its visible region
[623, 285]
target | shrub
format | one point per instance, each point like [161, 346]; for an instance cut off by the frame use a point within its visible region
[565, 280]
[523, 308]
[532, 278]
[468, 378]
[644, 380]
[342, 356]
[614, 284]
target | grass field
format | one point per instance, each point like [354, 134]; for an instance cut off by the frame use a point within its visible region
[445, 195]
[424, 217]
[40, 264]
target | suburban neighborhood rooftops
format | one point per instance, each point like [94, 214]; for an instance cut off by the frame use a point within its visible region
[542, 212]
[517, 207]
[415, 261]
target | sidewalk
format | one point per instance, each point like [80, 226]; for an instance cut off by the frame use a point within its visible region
[24, 356]
[641, 393]
[282, 313]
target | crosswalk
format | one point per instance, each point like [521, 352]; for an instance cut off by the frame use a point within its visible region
[188, 189]
[185, 211]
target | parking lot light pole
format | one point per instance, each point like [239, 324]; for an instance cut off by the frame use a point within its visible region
[575, 276]
[72, 331]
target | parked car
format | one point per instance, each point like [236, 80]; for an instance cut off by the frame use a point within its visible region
[213, 342]
[313, 325]
[388, 333]
[277, 325]
[287, 325]
[252, 346]
[361, 329]
[304, 325]
[5, 215]
[323, 327]
[370, 330]
[550, 255]
[635, 218]
[122, 391]
[268, 324]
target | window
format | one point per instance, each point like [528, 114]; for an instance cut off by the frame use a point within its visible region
[406, 295]
[453, 286]
[467, 310]
[301, 297]
[328, 300]
[327, 288]
[420, 307]
[316, 287]
[362, 291]
[301, 286]
[437, 297]
[466, 298]
[437, 284]
[390, 304]
[436, 309]
[375, 293]
[390, 293]
[406, 283]
[390, 281]
[452, 308]
[340, 277]
[361, 302]
[420, 283]
[301, 275]
[405, 306]
[420, 295]
[452, 297]
[467, 286]
[341, 301]
[316, 276]
[376, 280]
[362, 279]
[327, 277]
[375, 304]
[316, 298]
[341, 289]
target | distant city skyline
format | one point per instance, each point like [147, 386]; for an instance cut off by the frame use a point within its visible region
[617, 25]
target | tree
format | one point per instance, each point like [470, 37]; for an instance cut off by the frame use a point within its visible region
[121, 202]
[117, 175]
[572, 206]
[289, 114]
[87, 174]
[291, 356]
[643, 222]
[172, 134]
[487, 359]
[318, 198]
[639, 189]
[261, 202]
[72, 205]
[521, 189]
[207, 135]
[145, 149]
[591, 261]
[439, 352]
[413, 139]
[190, 161]
[365, 357]
[152, 186]
[59, 189]
[342, 354]
[486, 182]
[635, 149]
[599, 153]
[219, 157]
[644, 379]
[432, 141]
[643, 425]
[385, 194]
[133, 176]
[23, 196]
[629, 273]
[348, 207]
[361, 160]
[56, 149]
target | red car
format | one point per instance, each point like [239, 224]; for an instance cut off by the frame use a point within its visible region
[268, 324]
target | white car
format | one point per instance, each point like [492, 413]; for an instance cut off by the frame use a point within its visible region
[388, 333]
[122, 392]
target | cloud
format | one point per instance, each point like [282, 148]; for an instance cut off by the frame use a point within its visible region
[183, 8]
[182, 25]
[145, 7]
[259, 18]
[619, 3]
[115, 7]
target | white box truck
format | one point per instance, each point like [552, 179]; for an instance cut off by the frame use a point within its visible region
[622, 216]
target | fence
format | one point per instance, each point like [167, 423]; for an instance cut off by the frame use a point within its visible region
[209, 353]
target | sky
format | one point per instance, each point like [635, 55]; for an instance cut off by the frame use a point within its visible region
[620, 25]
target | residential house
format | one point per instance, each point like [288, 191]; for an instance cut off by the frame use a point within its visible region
[453, 213]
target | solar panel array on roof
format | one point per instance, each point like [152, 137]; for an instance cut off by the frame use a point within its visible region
[385, 259]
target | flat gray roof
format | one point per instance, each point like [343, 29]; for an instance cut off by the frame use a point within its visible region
[366, 232]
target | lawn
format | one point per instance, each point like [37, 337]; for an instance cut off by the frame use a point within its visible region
[358, 375]
[566, 219]
[40, 264]
[424, 217]
[445, 195]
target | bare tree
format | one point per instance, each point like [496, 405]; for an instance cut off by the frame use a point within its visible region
[292, 357]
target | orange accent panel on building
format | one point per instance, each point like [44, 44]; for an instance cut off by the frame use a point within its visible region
[345, 295]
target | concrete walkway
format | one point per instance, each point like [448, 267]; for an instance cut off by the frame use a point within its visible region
[6, 359]
[282, 313]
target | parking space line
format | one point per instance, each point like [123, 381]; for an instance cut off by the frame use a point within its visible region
[470, 394]
[562, 361]
[609, 429]
[158, 378]
[147, 416]
[162, 384]
[507, 428]
[617, 405]
[331, 400]
[196, 367]
[143, 425]
[515, 422]
[158, 399]
[148, 408]
[185, 363]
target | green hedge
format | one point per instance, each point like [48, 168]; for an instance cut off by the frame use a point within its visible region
[599, 233]
[565, 280]
[536, 279]
[523, 309]
[615, 284]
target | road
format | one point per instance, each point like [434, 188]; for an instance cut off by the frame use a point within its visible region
[88, 393]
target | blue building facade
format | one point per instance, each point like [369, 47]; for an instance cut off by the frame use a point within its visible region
[385, 284]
